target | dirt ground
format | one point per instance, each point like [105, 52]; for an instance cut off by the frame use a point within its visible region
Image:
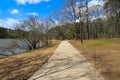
[104, 54]
[22, 66]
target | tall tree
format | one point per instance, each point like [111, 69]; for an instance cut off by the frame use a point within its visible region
[70, 16]
[34, 33]
[87, 17]
[57, 19]
[113, 10]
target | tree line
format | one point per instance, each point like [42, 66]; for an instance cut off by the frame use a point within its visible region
[61, 23]
[101, 27]
[6, 33]
[72, 21]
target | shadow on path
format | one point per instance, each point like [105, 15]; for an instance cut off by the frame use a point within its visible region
[67, 64]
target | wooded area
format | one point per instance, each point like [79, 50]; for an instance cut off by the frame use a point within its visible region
[62, 22]
[74, 20]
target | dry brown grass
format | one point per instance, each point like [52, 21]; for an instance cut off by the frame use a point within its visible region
[104, 54]
[22, 66]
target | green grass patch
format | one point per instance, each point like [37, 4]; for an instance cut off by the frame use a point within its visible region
[104, 54]
[100, 42]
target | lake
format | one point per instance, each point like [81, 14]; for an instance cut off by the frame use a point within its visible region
[6, 42]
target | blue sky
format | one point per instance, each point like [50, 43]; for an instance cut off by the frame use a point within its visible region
[11, 11]
[18, 10]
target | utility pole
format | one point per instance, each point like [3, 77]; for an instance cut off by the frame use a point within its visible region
[80, 20]
[81, 32]
[87, 22]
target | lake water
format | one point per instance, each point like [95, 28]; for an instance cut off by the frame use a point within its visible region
[6, 42]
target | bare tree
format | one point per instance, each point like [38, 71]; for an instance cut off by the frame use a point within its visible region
[112, 8]
[34, 33]
[57, 19]
[81, 16]
[47, 25]
[87, 19]
[70, 15]
[70, 11]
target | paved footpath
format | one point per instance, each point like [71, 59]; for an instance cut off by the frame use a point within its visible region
[67, 64]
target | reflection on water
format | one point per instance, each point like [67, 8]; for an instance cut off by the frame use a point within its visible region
[6, 42]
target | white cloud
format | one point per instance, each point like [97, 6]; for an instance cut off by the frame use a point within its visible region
[96, 5]
[95, 8]
[77, 20]
[14, 11]
[93, 5]
[23, 2]
[8, 23]
[33, 13]
[57, 22]
[96, 2]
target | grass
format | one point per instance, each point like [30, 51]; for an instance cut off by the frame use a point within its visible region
[22, 66]
[104, 54]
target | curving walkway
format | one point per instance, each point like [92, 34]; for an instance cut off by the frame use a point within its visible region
[67, 64]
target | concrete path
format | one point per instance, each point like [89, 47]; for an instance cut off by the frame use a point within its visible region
[67, 64]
